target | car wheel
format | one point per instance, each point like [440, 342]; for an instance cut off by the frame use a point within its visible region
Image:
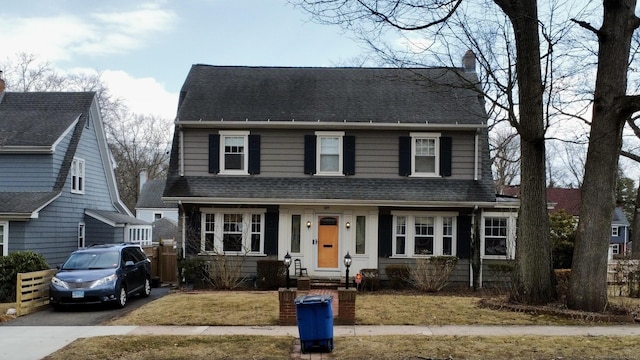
[147, 288]
[122, 297]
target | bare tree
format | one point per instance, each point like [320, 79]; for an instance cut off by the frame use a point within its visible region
[505, 149]
[534, 273]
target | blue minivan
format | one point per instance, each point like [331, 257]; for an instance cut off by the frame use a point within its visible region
[102, 274]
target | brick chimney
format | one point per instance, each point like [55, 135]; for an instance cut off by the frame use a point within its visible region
[469, 62]
[2, 83]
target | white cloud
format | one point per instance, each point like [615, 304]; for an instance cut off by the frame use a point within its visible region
[61, 37]
[142, 95]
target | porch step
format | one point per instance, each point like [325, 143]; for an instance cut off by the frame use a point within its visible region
[326, 283]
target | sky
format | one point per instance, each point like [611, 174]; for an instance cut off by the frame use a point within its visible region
[144, 49]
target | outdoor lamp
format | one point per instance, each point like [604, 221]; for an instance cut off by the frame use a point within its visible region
[348, 225]
[308, 224]
[287, 263]
[347, 263]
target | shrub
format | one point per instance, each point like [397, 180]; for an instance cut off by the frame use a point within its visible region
[501, 276]
[399, 275]
[194, 272]
[370, 279]
[12, 265]
[431, 274]
[562, 288]
[225, 272]
[271, 274]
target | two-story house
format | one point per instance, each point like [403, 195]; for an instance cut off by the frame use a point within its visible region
[385, 164]
[57, 186]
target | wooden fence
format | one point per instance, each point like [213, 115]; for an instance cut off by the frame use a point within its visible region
[32, 291]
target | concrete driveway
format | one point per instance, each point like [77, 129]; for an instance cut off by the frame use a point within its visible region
[84, 315]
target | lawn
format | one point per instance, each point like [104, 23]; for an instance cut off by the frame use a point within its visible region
[261, 308]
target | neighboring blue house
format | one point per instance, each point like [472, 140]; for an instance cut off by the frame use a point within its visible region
[57, 185]
[619, 232]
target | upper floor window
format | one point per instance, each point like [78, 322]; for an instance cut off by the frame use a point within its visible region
[234, 153]
[424, 158]
[614, 231]
[232, 231]
[329, 153]
[233, 150]
[157, 216]
[424, 234]
[425, 154]
[77, 176]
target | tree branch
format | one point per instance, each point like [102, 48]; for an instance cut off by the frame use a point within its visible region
[587, 26]
[629, 155]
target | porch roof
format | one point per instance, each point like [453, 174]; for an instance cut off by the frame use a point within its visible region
[330, 190]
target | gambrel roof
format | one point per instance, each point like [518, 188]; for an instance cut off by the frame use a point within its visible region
[377, 95]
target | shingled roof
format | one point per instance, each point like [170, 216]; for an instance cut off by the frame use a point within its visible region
[40, 118]
[151, 195]
[377, 95]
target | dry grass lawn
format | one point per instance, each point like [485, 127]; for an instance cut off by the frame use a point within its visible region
[352, 348]
[261, 308]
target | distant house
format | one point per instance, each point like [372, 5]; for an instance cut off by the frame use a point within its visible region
[569, 200]
[151, 208]
[387, 165]
[57, 186]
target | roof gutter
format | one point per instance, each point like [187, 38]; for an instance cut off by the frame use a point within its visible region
[293, 124]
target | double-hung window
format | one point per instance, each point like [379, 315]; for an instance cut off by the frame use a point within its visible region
[424, 234]
[614, 231]
[77, 176]
[4, 235]
[234, 154]
[424, 159]
[499, 236]
[232, 231]
[81, 235]
[329, 153]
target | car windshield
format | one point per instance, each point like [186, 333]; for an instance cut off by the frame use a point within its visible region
[92, 260]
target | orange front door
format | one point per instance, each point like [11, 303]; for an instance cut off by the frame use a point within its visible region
[328, 242]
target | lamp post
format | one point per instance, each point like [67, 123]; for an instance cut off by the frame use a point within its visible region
[287, 263]
[347, 263]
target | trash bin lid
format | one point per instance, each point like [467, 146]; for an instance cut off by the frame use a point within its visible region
[313, 299]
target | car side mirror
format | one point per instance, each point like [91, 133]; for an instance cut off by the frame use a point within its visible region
[129, 263]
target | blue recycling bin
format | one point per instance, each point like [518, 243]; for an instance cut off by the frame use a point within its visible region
[314, 315]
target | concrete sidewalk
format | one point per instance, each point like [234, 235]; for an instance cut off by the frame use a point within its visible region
[36, 342]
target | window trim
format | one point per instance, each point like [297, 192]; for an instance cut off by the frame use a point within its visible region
[615, 230]
[327, 135]
[245, 154]
[409, 235]
[425, 136]
[218, 233]
[615, 249]
[511, 235]
[78, 180]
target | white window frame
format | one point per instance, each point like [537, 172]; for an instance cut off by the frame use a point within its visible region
[4, 238]
[415, 136]
[218, 230]
[410, 233]
[139, 234]
[615, 249]
[615, 231]
[157, 216]
[81, 235]
[510, 239]
[245, 161]
[78, 176]
[320, 135]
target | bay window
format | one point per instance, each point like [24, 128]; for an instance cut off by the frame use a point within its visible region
[232, 231]
[424, 234]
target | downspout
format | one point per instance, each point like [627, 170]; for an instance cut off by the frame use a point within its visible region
[475, 157]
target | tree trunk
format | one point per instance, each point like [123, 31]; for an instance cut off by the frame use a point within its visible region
[588, 280]
[534, 277]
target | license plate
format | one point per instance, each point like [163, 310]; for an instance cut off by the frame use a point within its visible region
[77, 294]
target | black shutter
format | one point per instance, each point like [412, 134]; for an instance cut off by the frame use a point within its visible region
[463, 243]
[404, 162]
[385, 237]
[271, 233]
[309, 154]
[349, 151]
[445, 156]
[214, 153]
[254, 154]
